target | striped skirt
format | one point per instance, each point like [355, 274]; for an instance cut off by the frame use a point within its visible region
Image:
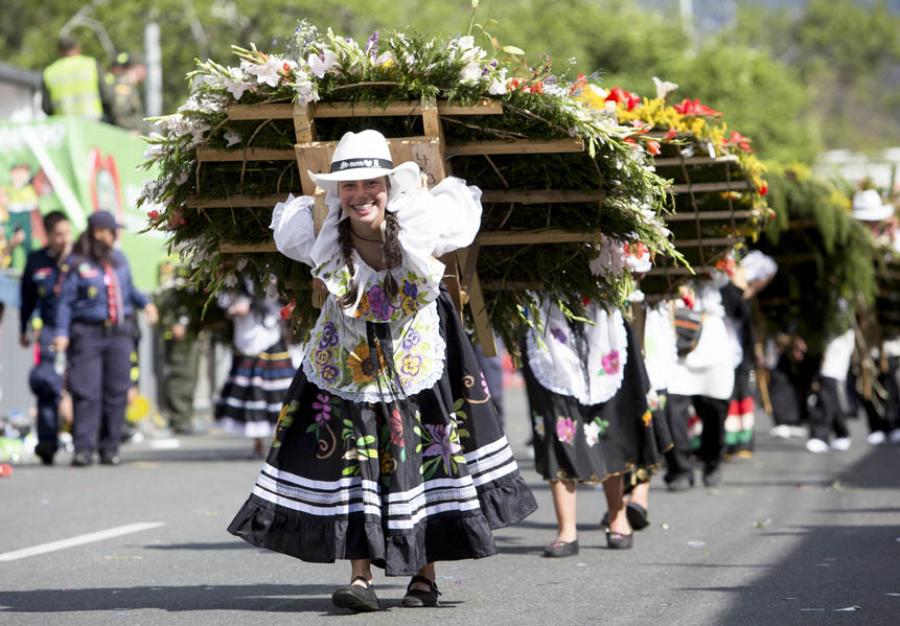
[254, 392]
[403, 483]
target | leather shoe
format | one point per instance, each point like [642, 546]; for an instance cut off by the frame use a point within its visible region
[110, 459]
[357, 598]
[618, 541]
[713, 477]
[45, 452]
[82, 459]
[638, 517]
[560, 549]
[416, 598]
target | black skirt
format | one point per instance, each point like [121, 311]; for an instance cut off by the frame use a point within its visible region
[589, 444]
[404, 482]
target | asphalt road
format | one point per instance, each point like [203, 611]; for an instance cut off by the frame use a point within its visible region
[789, 538]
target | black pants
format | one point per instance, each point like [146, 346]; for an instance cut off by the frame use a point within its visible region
[47, 385]
[825, 412]
[99, 379]
[883, 414]
[712, 413]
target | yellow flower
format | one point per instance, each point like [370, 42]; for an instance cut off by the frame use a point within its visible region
[409, 305]
[360, 363]
[647, 417]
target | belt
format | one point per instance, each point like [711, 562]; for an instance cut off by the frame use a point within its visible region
[126, 322]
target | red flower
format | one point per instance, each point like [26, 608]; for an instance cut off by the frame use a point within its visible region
[630, 140]
[514, 83]
[620, 96]
[153, 215]
[653, 147]
[763, 188]
[288, 309]
[737, 139]
[176, 219]
[585, 301]
[538, 87]
[695, 107]
[579, 85]
[671, 134]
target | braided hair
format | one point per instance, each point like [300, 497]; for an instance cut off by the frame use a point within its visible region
[390, 249]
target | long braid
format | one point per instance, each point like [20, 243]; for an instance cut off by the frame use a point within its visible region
[346, 242]
[391, 251]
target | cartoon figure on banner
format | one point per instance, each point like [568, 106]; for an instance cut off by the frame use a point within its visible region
[20, 201]
[104, 184]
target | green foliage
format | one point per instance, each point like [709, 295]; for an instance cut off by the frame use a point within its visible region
[823, 254]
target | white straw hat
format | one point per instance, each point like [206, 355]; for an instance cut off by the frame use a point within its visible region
[867, 206]
[358, 156]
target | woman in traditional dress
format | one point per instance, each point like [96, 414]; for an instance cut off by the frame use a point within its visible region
[261, 368]
[388, 450]
[587, 388]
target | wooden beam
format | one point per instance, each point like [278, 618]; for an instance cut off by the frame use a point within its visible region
[485, 106]
[261, 111]
[697, 160]
[734, 185]
[236, 201]
[707, 215]
[212, 155]
[518, 146]
[699, 243]
[550, 236]
[247, 248]
[548, 196]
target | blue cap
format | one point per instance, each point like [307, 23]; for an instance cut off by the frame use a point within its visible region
[104, 219]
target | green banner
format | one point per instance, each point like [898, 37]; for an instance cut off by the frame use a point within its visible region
[76, 166]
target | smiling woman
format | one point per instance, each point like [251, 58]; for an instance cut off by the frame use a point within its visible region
[421, 472]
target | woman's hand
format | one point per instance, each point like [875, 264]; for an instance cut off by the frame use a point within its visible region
[60, 344]
[151, 313]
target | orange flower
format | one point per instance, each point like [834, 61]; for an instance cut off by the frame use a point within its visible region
[653, 147]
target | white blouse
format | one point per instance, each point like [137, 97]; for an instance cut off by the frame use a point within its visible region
[338, 357]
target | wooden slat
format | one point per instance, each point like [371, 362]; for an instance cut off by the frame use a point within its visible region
[519, 146]
[261, 111]
[247, 248]
[735, 185]
[304, 124]
[287, 110]
[698, 243]
[549, 196]
[696, 160]
[707, 215]
[211, 155]
[236, 201]
[508, 238]
[486, 106]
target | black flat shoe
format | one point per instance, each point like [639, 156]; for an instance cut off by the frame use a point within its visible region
[45, 452]
[560, 549]
[416, 598]
[82, 459]
[356, 597]
[712, 478]
[618, 541]
[638, 517]
[110, 459]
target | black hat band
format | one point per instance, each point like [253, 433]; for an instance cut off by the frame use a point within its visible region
[352, 164]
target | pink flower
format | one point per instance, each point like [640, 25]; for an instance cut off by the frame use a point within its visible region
[396, 425]
[610, 362]
[565, 429]
[323, 406]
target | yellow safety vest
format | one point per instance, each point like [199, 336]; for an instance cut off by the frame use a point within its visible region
[72, 83]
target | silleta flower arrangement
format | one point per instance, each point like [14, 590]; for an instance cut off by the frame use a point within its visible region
[601, 181]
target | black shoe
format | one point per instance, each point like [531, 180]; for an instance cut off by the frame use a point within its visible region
[110, 459]
[560, 549]
[681, 482]
[638, 517]
[618, 541]
[46, 452]
[82, 459]
[356, 597]
[713, 477]
[604, 522]
[416, 598]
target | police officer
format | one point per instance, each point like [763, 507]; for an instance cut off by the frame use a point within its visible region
[73, 84]
[94, 321]
[40, 291]
[123, 84]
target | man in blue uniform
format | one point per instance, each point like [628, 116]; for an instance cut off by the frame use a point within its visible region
[94, 322]
[40, 290]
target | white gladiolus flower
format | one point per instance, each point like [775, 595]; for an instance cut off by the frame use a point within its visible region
[663, 87]
[232, 138]
[321, 65]
[464, 43]
[498, 84]
[470, 74]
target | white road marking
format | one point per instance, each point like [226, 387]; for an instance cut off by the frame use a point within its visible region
[80, 540]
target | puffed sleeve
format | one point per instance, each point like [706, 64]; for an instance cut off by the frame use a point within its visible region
[293, 228]
[441, 220]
